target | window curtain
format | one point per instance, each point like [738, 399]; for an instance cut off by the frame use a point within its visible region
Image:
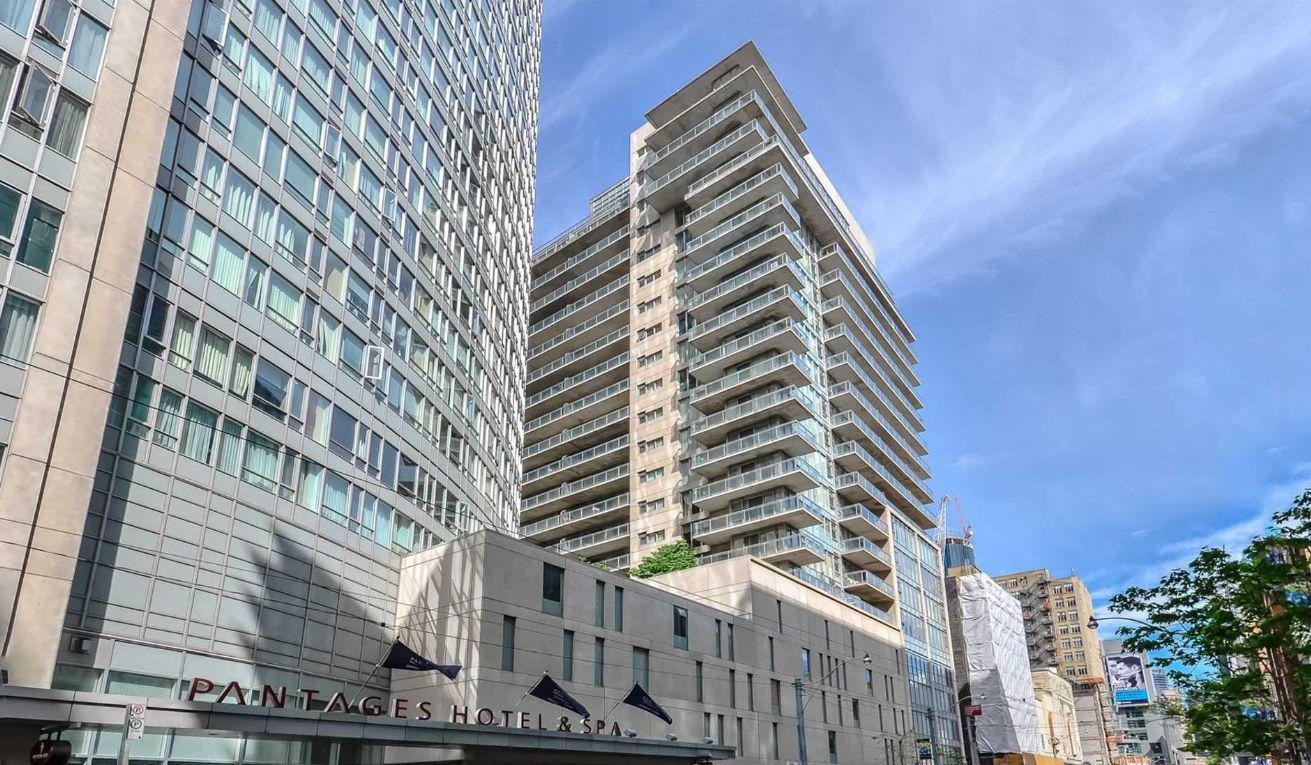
[184, 341]
[284, 303]
[311, 481]
[168, 421]
[261, 462]
[259, 76]
[198, 436]
[230, 450]
[16, 14]
[88, 45]
[228, 261]
[253, 293]
[335, 498]
[239, 199]
[241, 373]
[213, 361]
[17, 326]
[202, 244]
[38, 246]
[65, 133]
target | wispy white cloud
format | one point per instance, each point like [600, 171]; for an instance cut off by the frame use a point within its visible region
[1013, 152]
[1179, 552]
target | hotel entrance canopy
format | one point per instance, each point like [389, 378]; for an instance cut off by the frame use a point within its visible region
[408, 741]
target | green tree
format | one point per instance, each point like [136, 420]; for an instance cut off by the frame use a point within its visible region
[674, 556]
[1240, 626]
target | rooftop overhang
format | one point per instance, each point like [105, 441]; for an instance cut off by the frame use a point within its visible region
[489, 744]
[744, 57]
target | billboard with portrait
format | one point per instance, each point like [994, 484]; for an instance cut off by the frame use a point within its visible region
[1128, 677]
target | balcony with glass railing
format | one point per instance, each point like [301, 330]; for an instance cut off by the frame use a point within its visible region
[795, 474]
[579, 519]
[580, 357]
[767, 212]
[598, 300]
[771, 180]
[573, 465]
[859, 519]
[596, 542]
[797, 512]
[617, 563]
[846, 367]
[833, 255]
[793, 403]
[837, 589]
[791, 438]
[575, 286]
[656, 161]
[784, 369]
[578, 261]
[777, 271]
[662, 191]
[866, 554]
[870, 586]
[846, 395]
[776, 303]
[851, 337]
[583, 490]
[880, 457]
[542, 452]
[729, 174]
[594, 328]
[579, 230]
[799, 548]
[778, 336]
[593, 378]
[576, 411]
[840, 310]
[855, 487]
[778, 239]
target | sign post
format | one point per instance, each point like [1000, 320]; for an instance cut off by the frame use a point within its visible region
[134, 725]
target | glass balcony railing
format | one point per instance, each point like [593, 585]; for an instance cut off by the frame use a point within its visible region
[729, 167]
[576, 405]
[902, 348]
[578, 281]
[756, 515]
[582, 228]
[846, 388]
[741, 219]
[870, 580]
[754, 126]
[835, 589]
[912, 479]
[857, 510]
[804, 363]
[700, 128]
[581, 257]
[578, 353]
[741, 190]
[860, 544]
[759, 475]
[599, 294]
[731, 347]
[547, 394]
[912, 426]
[732, 253]
[578, 329]
[595, 538]
[577, 514]
[746, 309]
[749, 276]
[906, 390]
[728, 414]
[798, 540]
[618, 563]
[807, 430]
[565, 489]
[856, 480]
[577, 458]
[579, 431]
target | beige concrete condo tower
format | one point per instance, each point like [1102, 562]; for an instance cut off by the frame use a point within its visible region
[265, 268]
[713, 356]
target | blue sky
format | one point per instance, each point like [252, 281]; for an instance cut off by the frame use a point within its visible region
[1097, 218]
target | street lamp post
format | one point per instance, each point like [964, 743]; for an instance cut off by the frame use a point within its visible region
[797, 685]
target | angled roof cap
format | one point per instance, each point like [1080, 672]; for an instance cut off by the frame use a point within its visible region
[746, 56]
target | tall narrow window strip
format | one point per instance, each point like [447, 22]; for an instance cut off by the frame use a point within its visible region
[507, 643]
[17, 328]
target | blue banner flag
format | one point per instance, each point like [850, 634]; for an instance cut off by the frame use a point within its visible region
[402, 656]
[550, 691]
[638, 697]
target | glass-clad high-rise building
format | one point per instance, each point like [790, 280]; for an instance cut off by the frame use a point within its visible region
[265, 274]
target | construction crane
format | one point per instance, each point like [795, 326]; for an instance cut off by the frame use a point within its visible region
[967, 531]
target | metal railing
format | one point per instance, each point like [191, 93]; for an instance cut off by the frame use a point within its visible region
[577, 431]
[802, 362]
[857, 510]
[578, 281]
[797, 540]
[864, 545]
[599, 294]
[728, 167]
[804, 428]
[577, 354]
[565, 489]
[754, 126]
[765, 512]
[746, 309]
[594, 538]
[760, 474]
[581, 228]
[700, 128]
[577, 514]
[578, 329]
[867, 578]
[577, 458]
[748, 276]
[848, 388]
[581, 256]
[575, 405]
[737, 192]
[746, 341]
[740, 219]
[809, 400]
[608, 365]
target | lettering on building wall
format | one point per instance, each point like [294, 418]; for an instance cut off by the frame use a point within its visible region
[276, 697]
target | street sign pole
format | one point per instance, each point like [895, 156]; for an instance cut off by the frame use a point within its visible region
[134, 725]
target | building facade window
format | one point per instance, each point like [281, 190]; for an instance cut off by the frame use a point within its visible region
[507, 643]
[552, 589]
